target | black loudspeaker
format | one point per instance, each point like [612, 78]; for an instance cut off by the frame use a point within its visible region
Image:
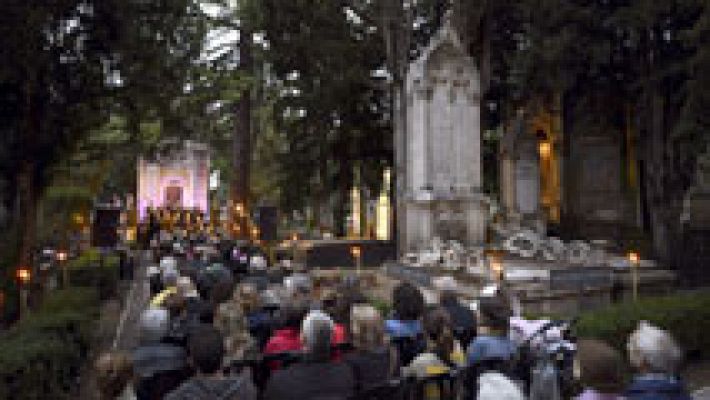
[104, 232]
[267, 221]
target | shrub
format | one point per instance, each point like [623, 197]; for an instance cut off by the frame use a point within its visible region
[88, 270]
[383, 306]
[685, 316]
[40, 357]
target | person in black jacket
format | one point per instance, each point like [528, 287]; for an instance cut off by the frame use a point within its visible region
[463, 319]
[206, 349]
[159, 367]
[316, 377]
[373, 362]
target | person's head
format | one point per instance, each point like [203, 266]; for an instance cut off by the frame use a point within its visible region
[230, 319]
[293, 313]
[299, 286]
[113, 372]
[168, 262]
[175, 304]
[407, 302]
[494, 314]
[170, 277]
[653, 350]
[185, 287]
[316, 333]
[439, 332]
[248, 297]
[447, 287]
[205, 347]
[154, 325]
[496, 386]
[599, 366]
[337, 305]
[367, 328]
[270, 299]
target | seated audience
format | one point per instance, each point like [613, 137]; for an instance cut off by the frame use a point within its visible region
[405, 327]
[113, 377]
[316, 377]
[261, 318]
[496, 386]
[439, 356]
[159, 367]
[231, 320]
[600, 370]
[462, 318]
[492, 345]
[372, 361]
[288, 337]
[206, 352]
[442, 351]
[337, 308]
[169, 284]
[656, 357]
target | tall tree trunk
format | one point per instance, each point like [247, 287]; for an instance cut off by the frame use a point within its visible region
[26, 179]
[396, 22]
[241, 144]
[27, 196]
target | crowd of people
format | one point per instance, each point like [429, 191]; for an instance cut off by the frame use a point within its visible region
[212, 333]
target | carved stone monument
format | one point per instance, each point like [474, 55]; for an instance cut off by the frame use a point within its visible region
[519, 162]
[441, 193]
[175, 177]
[696, 207]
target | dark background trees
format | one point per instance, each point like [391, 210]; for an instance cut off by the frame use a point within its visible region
[73, 72]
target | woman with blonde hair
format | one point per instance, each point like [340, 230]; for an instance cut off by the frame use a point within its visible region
[231, 320]
[373, 362]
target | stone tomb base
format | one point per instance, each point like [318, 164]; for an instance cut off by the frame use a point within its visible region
[463, 221]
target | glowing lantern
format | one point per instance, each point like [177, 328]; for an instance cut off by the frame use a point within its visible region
[23, 275]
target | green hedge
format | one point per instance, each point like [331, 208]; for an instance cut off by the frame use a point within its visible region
[41, 355]
[686, 316]
[383, 306]
[88, 270]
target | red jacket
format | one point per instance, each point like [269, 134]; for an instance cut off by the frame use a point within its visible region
[287, 339]
[283, 340]
[339, 336]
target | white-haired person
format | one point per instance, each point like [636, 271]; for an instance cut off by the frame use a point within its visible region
[316, 377]
[656, 357]
[496, 386]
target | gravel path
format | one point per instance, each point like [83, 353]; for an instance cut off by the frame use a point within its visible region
[136, 300]
[117, 328]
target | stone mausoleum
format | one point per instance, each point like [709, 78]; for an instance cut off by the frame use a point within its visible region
[440, 188]
[176, 177]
